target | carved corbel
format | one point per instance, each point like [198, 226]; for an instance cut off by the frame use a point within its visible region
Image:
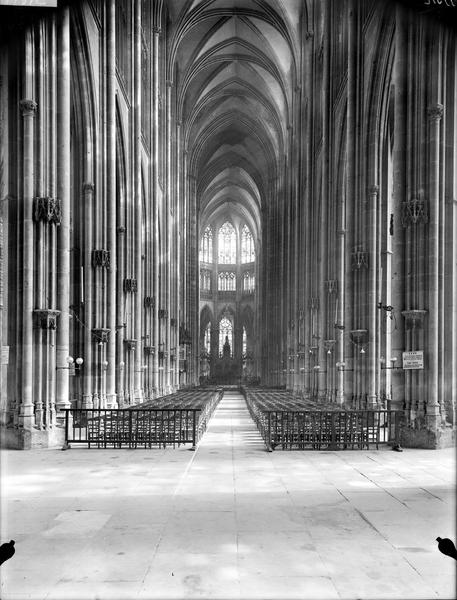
[46, 318]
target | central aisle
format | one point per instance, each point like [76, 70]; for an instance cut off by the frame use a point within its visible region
[236, 532]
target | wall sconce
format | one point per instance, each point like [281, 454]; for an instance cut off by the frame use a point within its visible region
[341, 366]
[329, 345]
[393, 360]
[72, 363]
[359, 337]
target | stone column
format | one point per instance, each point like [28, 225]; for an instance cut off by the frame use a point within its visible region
[111, 200]
[63, 193]
[435, 113]
[351, 191]
[155, 200]
[168, 254]
[137, 190]
[28, 109]
[178, 242]
[88, 190]
[372, 207]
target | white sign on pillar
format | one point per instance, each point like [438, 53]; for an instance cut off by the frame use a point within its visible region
[413, 359]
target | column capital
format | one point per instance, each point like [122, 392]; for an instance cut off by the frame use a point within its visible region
[414, 319]
[157, 29]
[373, 190]
[169, 83]
[100, 335]
[435, 112]
[88, 187]
[28, 107]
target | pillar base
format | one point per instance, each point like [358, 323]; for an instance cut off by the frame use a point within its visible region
[111, 401]
[423, 436]
[18, 438]
[87, 401]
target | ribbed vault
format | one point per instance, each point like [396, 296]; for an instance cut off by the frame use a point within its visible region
[234, 67]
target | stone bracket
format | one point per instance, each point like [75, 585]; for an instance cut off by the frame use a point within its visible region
[101, 258]
[47, 209]
[46, 318]
[130, 285]
[100, 335]
[414, 319]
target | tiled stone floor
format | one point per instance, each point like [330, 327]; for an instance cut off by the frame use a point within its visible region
[227, 521]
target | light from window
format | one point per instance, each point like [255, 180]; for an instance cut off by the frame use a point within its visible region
[247, 245]
[226, 282]
[205, 280]
[227, 244]
[245, 341]
[225, 331]
[206, 246]
[207, 339]
[248, 282]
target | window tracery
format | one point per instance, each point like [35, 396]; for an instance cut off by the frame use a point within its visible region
[248, 282]
[225, 331]
[227, 244]
[207, 339]
[226, 281]
[206, 246]
[247, 245]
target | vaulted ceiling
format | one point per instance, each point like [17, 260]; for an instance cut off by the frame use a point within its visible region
[234, 64]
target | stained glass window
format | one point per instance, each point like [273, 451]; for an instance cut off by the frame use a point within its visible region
[227, 244]
[226, 282]
[206, 246]
[247, 245]
[205, 280]
[248, 282]
[207, 338]
[225, 331]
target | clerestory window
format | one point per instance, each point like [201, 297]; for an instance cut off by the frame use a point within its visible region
[226, 281]
[227, 244]
[206, 246]
[247, 245]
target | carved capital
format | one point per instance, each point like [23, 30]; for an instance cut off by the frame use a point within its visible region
[130, 286]
[435, 112]
[130, 344]
[414, 211]
[373, 190]
[157, 29]
[359, 258]
[28, 107]
[48, 210]
[46, 318]
[149, 350]
[169, 83]
[163, 313]
[332, 286]
[149, 302]
[359, 336]
[88, 187]
[329, 345]
[313, 303]
[414, 319]
[101, 258]
[100, 335]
